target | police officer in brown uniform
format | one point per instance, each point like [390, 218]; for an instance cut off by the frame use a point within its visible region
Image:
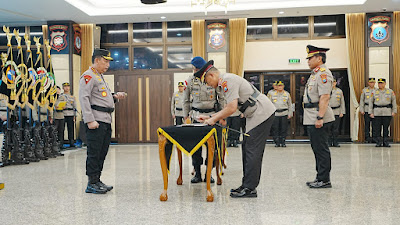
[177, 104]
[283, 104]
[69, 113]
[259, 113]
[318, 116]
[366, 95]
[337, 104]
[58, 116]
[200, 99]
[97, 104]
[382, 107]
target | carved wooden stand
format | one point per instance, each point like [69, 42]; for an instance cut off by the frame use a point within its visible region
[162, 141]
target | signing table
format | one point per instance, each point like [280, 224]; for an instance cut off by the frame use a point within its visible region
[189, 139]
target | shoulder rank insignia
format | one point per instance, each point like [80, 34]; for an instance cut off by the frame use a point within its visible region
[225, 86]
[316, 69]
[87, 78]
[387, 92]
[324, 78]
[322, 69]
[177, 95]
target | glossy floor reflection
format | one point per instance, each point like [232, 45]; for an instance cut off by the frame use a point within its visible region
[366, 190]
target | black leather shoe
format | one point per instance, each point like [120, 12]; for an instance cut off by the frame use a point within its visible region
[321, 184]
[107, 187]
[385, 144]
[237, 190]
[235, 144]
[244, 193]
[195, 180]
[95, 188]
[283, 145]
[336, 145]
[378, 144]
[310, 182]
[211, 180]
[277, 145]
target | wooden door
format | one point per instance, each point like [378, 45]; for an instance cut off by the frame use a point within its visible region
[146, 107]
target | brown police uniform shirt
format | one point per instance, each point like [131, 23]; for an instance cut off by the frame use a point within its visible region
[94, 90]
[236, 87]
[70, 105]
[319, 83]
[336, 102]
[383, 97]
[59, 113]
[177, 104]
[366, 95]
[200, 96]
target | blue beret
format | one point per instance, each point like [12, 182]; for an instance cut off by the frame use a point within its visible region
[198, 62]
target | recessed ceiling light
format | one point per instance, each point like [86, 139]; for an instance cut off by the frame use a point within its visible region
[281, 12]
[163, 17]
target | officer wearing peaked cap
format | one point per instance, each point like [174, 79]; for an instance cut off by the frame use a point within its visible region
[177, 104]
[366, 95]
[382, 107]
[69, 112]
[97, 102]
[337, 104]
[318, 116]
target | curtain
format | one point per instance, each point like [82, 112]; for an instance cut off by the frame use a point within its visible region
[396, 73]
[355, 39]
[87, 46]
[237, 44]
[198, 38]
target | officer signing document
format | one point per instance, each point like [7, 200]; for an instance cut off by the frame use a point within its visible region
[97, 104]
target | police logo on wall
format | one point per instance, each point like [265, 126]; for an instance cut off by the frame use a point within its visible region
[217, 37]
[58, 36]
[77, 39]
[379, 30]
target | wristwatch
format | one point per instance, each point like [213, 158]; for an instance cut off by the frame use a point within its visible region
[319, 118]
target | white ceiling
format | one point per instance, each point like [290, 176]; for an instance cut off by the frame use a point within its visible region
[36, 12]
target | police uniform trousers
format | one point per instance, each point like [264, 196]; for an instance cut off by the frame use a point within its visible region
[98, 141]
[280, 127]
[334, 129]
[243, 126]
[60, 126]
[70, 127]
[319, 144]
[178, 120]
[234, 123]
[368, 121]
[253, 147]
[377, 124]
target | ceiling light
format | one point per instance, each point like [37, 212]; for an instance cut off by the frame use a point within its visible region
[163, 17]
[281, 12]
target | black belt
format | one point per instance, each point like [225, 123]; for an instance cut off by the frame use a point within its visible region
[383, 106]
[281, 110]
[179, 109]
[366, 104]
[59, 110]
[203, 110]
[311, 105]
[251, 101]
[102, 109]
[3, 110]
[69, 109]
[44, 114]
[336, 107]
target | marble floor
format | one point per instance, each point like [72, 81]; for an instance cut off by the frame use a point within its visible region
[366, 189]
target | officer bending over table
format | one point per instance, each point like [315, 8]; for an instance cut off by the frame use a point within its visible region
[259, 113]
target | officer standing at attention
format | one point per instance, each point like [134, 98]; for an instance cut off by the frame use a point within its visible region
[59, 117]
[337, 104]
[177, 104]
[283, 104]
[382, 107]
[273, 131]
[69, 113]
[259, 113]
[318, 116]
[97, 104]
[200, 99]
[366, 95]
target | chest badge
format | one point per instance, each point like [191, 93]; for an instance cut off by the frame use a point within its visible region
[104, 94]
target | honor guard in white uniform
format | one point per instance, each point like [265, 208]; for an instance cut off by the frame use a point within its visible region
[382, 107]
[259, 113]
[318, 116]
[177, 104]
[283, 104]
[97, 102]
[366, 95]
[339, 109]
[200, 99]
